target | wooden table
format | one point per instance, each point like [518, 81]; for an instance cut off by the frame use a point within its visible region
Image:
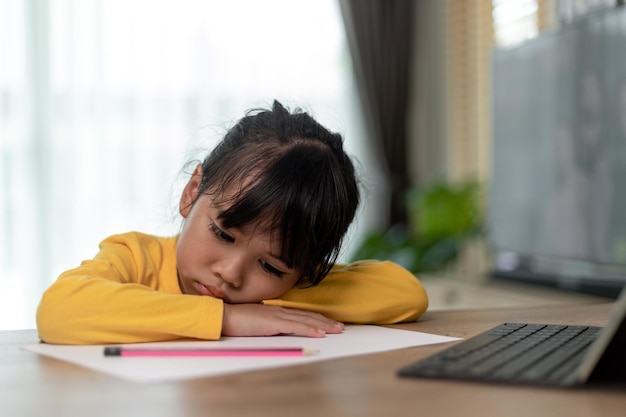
[33, 385]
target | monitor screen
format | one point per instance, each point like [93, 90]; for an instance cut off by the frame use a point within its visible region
[557, 209]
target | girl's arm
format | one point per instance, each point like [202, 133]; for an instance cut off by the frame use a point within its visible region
[81, 309]
[365, 292]
[128, 293]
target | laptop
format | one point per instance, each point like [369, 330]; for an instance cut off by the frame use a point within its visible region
[535, 354]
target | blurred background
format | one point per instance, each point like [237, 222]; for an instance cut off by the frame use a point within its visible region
[103, 103]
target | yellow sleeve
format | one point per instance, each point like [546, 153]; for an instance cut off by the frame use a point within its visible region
[128, 293]
[365, 292]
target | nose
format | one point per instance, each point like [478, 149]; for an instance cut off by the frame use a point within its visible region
[229, 270]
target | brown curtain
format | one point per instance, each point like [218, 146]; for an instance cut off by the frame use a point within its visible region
[379, 34]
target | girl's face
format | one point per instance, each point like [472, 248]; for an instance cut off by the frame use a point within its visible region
[236, 265]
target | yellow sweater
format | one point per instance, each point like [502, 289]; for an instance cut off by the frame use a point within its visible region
[129, 293]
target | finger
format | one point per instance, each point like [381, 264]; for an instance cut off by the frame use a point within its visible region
[302, 329]
[311, 315]
[315, 320]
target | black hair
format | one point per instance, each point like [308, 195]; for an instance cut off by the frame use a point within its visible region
[288, 174]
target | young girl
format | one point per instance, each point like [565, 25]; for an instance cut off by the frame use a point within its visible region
[264, 217]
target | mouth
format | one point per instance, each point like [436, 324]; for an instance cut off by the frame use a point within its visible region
[209, 290]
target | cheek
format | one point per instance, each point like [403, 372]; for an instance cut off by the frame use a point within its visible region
[194, 253]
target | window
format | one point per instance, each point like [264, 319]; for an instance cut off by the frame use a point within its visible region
[103, 102]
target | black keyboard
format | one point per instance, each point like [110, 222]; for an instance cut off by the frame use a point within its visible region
[517, 353]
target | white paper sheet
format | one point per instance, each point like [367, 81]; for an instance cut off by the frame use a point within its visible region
[355, 340]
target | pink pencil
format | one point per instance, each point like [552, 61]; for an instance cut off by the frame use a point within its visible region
[218, 351]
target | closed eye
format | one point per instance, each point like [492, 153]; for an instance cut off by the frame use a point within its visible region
[220, 234]
[271, 269]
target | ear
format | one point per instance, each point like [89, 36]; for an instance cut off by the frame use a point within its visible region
[190, 193]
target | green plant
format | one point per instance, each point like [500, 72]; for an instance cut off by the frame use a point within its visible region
[442, 217]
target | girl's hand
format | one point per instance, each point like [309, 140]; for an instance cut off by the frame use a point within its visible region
[262, 320]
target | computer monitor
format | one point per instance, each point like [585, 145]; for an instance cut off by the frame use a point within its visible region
[557, 200]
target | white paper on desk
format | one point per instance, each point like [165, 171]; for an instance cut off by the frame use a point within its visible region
[355, 340]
